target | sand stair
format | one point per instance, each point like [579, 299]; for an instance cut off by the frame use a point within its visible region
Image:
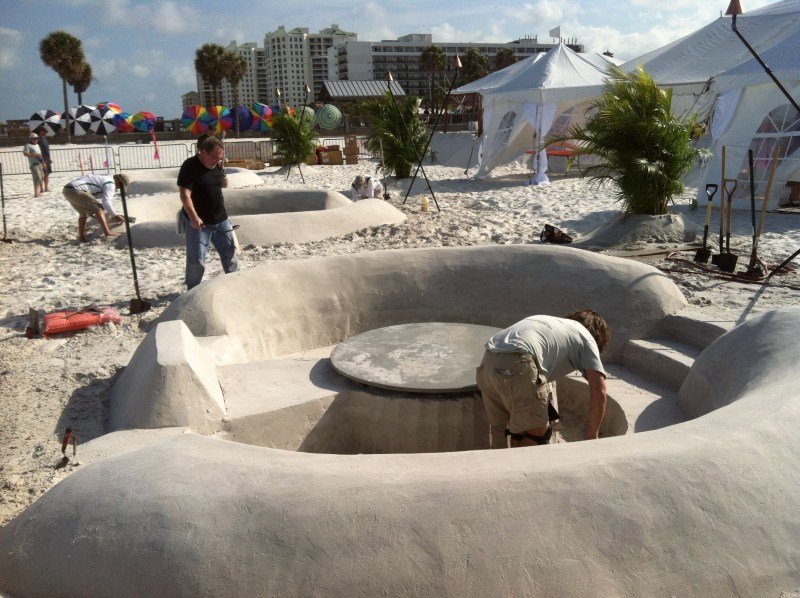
[646, 380]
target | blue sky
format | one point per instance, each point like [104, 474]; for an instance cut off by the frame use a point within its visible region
[142, 52]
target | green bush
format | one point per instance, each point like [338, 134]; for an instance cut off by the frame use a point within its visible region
[644, 148]
[294, 137]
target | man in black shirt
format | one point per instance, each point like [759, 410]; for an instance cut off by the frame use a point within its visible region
[200, 180]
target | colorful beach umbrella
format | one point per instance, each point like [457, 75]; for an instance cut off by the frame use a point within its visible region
[102, 121]
[307, 116]
[195, 119]
[245, 117]
[143, 121]
[262, 120]
[220, 119]
[123, 122]
[329, 116]
[46, 119]
[110, 106]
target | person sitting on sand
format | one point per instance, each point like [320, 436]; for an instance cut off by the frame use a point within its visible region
[364, 187]
[521, 360]
[83, 194]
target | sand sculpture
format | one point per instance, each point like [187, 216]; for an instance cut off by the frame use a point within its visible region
[704, 508]
[264, 215]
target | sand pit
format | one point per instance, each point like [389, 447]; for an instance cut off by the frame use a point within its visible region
[289, 523]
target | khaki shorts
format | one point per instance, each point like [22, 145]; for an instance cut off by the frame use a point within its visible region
[38, 174]
[515, 394]
[84, 203]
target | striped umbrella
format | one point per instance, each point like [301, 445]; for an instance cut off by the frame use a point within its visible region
[143, 121]
[102, 121]
[220, 119]
[123, 122]
[110, 106]
[329, 116]
[79, 119]
[194, 119]
[307, 116]
[46, 119]
[263, 117]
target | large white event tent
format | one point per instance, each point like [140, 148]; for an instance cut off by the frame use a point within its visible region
[529, 100]
[713, 74]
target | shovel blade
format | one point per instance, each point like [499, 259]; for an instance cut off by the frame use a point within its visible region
[702, 255]
[727, 262]
[139, 306]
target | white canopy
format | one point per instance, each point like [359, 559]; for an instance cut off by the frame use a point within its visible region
[522, 102]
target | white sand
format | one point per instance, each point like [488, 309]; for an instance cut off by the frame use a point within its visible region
[48, 385]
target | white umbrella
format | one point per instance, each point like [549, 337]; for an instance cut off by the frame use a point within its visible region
[79, 119]
[102, 121]
[46, 119]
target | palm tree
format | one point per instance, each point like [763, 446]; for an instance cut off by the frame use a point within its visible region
[209, 62]
[645, 149]
[402, 136]
[63, 53]
[81, 81]
[476, 65]
[235, 67]
[433, 60]
[505, 57]
[295, 139]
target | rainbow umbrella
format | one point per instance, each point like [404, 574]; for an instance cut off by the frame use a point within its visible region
[246, 117]
[114, 108]
[45, 119]
[123, 122]
[194, 120]
[329, 116]
[220, 119]
[262, 120]
[143, 121]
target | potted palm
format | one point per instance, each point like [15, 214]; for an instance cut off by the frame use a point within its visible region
[399, 132]
[294, 136]
[643, 147]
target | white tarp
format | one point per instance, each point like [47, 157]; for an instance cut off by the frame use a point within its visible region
[523, 101]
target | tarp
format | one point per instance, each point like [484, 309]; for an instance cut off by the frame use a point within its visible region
[523, 102]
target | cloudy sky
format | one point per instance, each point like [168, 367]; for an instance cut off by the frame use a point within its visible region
[142, 52]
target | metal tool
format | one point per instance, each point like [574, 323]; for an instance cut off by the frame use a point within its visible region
[138, 305]
[704, 253]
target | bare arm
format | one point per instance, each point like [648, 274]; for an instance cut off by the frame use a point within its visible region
[188, 207]
[597, 402]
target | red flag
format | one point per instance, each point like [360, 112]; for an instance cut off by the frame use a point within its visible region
[155, 144]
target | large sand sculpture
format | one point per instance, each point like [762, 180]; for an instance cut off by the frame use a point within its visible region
[264, 215]
[704, 508]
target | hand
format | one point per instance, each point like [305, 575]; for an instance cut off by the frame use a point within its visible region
[196, 223]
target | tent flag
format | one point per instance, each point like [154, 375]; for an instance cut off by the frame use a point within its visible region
[556, 32]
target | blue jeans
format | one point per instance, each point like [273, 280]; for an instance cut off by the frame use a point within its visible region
[221, 235]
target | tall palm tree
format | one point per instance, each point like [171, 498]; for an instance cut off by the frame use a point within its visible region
[476, 65]
[644, 148]
[63, 53]
[505, 57]
[82, 81]
[235, 67]
[209, 62]
[433, 60]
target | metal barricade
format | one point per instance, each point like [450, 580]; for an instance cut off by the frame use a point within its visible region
[85, 159]
[141, 157]
[14, 162]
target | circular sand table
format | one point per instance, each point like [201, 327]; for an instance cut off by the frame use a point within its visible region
[704, 508]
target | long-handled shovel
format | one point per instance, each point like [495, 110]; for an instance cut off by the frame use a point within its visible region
[138, 305]
[704, 252]
[727, 261]
[756, 268]
[3, 201]
[715, 258]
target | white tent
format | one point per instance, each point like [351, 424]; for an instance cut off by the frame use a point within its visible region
[713, 74]
[529, 100]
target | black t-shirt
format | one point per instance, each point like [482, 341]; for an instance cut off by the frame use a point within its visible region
[205, 185]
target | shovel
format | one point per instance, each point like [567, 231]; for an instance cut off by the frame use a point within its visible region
[704, 252]
[138, 305]
[3, 200]
[727, 261]
[756, 268]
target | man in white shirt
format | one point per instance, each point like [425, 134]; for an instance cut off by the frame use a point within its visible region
[92, 195]
[520, 361]
[364, 187]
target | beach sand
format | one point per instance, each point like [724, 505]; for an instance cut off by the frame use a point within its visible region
[49, 384]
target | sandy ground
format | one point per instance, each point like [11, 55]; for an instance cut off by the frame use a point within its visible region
[48, 385]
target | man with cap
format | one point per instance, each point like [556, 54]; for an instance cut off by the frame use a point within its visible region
[364, 187]
[91, 195]
[47, 161]
[35, 162]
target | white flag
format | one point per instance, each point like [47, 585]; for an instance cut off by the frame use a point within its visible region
[556, 32]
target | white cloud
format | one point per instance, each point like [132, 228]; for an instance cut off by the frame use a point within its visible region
[184, 76]
[168, 17]
[140, 70]
[10, 42]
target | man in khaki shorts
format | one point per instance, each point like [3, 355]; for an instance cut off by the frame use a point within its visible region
[520, 361]
[91, 195]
